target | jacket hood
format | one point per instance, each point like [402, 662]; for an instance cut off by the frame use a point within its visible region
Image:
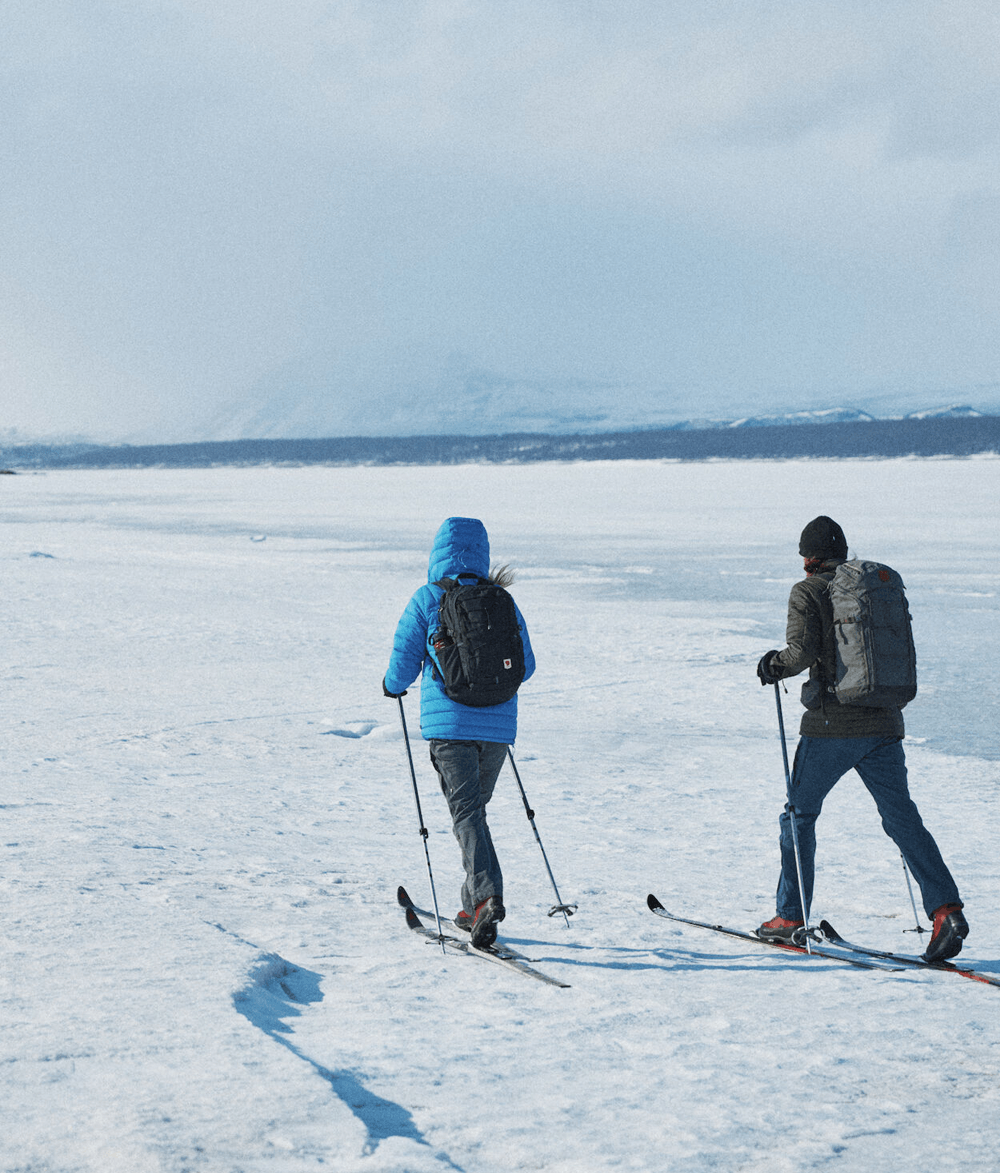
[461, 543]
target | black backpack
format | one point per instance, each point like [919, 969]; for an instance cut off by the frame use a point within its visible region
[477, 648]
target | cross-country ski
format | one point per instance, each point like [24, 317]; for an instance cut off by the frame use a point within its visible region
[831, 934]
[404, 901]
[813, 950]
[495, 953]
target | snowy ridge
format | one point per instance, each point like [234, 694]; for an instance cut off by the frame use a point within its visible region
[962, 411]
[831, 415]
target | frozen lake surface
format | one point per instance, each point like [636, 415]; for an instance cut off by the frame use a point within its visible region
[206, 810]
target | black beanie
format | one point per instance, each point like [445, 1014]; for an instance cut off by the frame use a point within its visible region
[823, 538]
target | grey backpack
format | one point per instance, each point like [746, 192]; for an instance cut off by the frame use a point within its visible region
[876, 659]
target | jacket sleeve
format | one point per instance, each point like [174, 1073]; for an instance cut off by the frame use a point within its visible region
[529, 655]
[803, 634]
[409, 645]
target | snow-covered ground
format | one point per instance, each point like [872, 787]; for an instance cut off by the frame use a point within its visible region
[206, 810]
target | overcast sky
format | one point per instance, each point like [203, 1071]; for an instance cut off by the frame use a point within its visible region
[210, 205]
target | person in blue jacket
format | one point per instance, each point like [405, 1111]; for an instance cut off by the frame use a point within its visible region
[468, 746]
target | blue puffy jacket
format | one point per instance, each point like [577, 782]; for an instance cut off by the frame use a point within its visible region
[460, 544]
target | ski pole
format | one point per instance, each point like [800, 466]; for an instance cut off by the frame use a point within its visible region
[420, 820]
[566, 909]
[791, 813]
[909, 887]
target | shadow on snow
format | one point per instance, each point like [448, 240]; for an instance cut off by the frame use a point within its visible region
[276, 991]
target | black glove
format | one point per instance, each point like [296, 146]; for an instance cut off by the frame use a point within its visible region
[764, 671]
[394, 695]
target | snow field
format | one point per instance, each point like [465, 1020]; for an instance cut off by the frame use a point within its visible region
[206, 811]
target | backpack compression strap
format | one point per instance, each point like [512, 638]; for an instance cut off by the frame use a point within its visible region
[446, 584]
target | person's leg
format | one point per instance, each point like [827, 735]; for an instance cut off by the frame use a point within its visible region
[883, 771]
[820, 762]
[491, 911]
[458, 765]
[492, 755]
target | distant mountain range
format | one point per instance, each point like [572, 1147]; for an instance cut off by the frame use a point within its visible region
[298, 424]
[830, 415]
[466, 401]
[954, 431]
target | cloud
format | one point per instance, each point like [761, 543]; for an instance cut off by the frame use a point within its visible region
[207, 201]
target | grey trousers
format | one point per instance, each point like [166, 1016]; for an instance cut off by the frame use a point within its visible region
[468, 771]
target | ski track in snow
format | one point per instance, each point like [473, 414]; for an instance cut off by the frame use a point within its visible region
[206, 810]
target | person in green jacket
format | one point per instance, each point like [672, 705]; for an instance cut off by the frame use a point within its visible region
[836, 738]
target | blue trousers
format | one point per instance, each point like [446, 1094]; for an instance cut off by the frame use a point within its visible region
[468, 771]
[820, 763]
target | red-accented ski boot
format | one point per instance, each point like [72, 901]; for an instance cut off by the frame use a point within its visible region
[484, 925]
[779, 929]
[463, 921]
[950, 930]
